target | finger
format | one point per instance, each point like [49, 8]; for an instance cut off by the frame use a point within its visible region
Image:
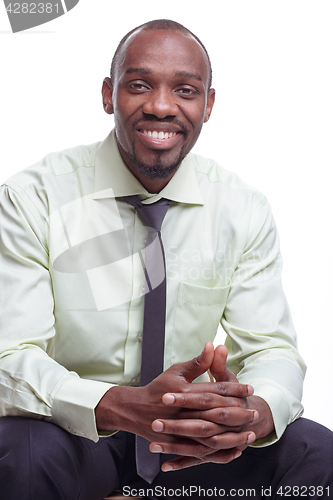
[234, 389]
[188, 428]
[224, 416]
[206, 400]
[219, 366]
[193, 448]
[228, 440]
[222, 457]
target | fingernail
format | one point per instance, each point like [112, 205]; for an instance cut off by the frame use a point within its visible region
[255, 416]
[156, 448]
[169, 399]
[238, 454]
[251, 438]
[157, 426]
[166, 467]
[250, 390]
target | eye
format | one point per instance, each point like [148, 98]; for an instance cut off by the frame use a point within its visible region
[187, 91]
[138, 87]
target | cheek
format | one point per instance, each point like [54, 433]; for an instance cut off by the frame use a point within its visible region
[195, 114]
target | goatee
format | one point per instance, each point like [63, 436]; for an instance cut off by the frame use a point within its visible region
[157, 170]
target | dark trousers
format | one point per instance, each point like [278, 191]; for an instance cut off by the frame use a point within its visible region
[41, 461]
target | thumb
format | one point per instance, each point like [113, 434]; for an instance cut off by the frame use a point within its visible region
[199, 365]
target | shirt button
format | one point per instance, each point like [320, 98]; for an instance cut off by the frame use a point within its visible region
[134, 381]
[139, 337]
[142, 288]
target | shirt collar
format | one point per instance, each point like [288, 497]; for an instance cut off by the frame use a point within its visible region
[114, 179]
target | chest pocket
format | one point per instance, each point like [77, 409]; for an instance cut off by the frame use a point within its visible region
[198, 313]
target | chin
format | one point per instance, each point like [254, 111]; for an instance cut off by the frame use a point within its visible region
[158, 170]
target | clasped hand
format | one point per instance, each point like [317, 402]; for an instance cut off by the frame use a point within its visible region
[200, 422]
[213, 419]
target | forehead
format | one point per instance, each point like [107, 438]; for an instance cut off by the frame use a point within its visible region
[163, 50]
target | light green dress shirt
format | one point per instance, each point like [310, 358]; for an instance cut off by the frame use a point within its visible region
[73, 285]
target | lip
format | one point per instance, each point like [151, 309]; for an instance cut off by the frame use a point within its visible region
[155, 143]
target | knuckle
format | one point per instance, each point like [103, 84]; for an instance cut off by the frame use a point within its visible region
[206, 400]
[214, 442]
[241, 389]
[175, 428]
[223, 415]
[204, 429]
[222, 388]
[182, 399]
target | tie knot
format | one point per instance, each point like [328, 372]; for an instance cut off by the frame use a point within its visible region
[153, 214]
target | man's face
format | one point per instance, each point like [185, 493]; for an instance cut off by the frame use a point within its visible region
[160, 100]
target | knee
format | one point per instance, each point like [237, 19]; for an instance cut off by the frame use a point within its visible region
[14, 447]
[35, 456]
[310, 442]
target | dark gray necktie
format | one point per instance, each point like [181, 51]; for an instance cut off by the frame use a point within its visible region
[147, 463]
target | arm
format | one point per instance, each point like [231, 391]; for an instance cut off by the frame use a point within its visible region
[262, 351]
[32, 384]
[261, 340]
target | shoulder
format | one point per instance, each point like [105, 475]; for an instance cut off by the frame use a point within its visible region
[54, 165]
[213, 177]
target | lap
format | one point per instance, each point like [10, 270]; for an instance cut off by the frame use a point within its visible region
[302, 458]
[35, 455]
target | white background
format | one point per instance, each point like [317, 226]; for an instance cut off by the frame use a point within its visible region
[272, 123]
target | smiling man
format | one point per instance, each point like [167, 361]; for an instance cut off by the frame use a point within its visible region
[119, 261]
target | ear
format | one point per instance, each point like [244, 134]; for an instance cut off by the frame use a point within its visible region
[210, 104]
[107, 89]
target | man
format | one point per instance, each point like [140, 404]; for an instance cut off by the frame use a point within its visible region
[73, 297]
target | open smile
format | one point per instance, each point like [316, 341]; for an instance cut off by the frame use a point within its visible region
[159, 134]
[159, 139]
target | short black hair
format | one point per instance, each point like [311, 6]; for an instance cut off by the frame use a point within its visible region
[159, 24]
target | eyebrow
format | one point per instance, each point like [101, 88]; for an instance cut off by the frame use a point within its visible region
[186, 74]
[181, 74]
[143, 71]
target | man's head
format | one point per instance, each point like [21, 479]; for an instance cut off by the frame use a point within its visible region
[159, 24]
[160, 94]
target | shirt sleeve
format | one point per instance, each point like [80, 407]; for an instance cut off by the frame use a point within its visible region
[32, 384]
[261, 340]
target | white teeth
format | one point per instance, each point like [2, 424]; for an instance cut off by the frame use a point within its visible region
[159, 135]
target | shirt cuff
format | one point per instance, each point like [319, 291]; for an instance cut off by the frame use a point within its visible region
[74, 403]
[283, 410]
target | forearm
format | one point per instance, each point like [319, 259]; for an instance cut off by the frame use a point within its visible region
[118, 410]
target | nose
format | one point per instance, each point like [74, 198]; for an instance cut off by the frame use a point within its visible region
[161, 103]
